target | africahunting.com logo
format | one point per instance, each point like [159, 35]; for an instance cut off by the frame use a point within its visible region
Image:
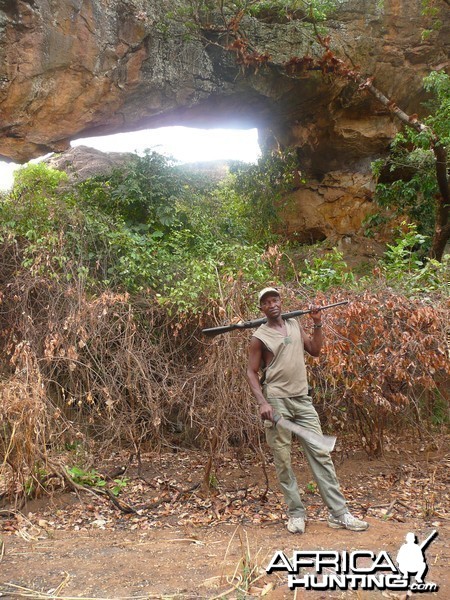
[358, 570]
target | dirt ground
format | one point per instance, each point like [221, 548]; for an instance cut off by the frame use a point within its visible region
[182, 543]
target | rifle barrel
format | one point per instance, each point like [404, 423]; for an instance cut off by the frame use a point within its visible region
[257, 322]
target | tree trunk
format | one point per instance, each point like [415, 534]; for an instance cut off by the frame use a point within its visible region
[442, 225]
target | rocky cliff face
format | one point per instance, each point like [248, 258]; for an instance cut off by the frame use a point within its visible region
[74, 68]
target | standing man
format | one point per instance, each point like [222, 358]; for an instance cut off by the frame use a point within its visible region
[278, 348]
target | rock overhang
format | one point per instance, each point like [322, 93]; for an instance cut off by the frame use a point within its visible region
[71, 70]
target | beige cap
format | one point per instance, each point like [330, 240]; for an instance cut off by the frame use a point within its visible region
[267, 290]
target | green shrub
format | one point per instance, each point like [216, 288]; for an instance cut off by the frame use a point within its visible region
[150, 226]
[404, 263]
[261, 190]
[406, 180]
[330, 270]
[33, 208]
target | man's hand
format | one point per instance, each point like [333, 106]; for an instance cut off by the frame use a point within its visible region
[313, 342]
[316, 314]
[266, 411]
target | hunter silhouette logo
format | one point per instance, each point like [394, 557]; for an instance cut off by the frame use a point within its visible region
[360, 569]
[411, 560]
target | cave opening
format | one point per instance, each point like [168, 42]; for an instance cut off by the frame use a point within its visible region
[182, 144]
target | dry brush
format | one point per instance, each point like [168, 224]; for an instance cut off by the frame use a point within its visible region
[113, 370]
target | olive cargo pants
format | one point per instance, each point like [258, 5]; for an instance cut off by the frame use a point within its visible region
[301, 411]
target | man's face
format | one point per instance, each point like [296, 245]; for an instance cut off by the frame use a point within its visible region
[271, 305]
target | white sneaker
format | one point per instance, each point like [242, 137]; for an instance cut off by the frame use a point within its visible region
[296, 525]
[347, 521]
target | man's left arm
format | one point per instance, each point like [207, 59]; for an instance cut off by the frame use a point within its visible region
[313, 342]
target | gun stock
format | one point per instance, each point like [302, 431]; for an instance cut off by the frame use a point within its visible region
[213, 331]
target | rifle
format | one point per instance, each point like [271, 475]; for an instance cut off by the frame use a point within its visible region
[428, 541]
[212, 331]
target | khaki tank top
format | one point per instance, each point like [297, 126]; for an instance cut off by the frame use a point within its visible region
[285, 376]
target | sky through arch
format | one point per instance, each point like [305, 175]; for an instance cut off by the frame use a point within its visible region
[184, 144]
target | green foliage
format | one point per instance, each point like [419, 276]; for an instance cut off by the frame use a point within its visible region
[65, 236]
[246, 206]
[37, 181]
[440, 414]
[438, 84]
[144, 195]
[150, 225]
[201, 19]
[169, 231]
[33, 205]
[404, 263]
[154, 227]
[406, 181]
[414, 193]
[195, 12]
[216, 211]
[311, 487]
[322, 273]
[372, 222]
[261, 189]
[119, 485]
[316, 10]
[432, 10]
[198, 263]
[403, 255]
[90, 478]
[213, 482]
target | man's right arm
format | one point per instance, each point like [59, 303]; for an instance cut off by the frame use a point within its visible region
[254, 362]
